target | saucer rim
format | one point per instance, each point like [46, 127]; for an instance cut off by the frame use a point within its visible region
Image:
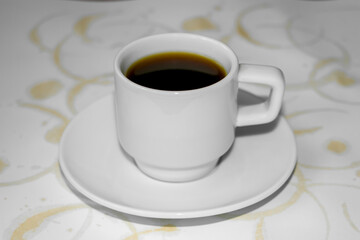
[172, 214]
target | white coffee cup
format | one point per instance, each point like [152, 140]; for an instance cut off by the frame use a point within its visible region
[179, 136]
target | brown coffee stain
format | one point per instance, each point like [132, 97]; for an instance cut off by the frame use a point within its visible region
[226, 39]
[77, 88]
[244, 33]
[300, 189]
[259, 230]
[53, 135]
[352, 165]
[74, 91]
[35, 37]
[307, 85]
[334, 185]
[336, 146]
[81, 26]
[312, 111]
[343, 79]
[130, 225]
[198, 24]
[50, 88]
[289, 26]
[306, 131]
[358, 173]
[82, 81]
[58, 63]
[32, 223]
[324, 63]
[165, 228]
[322, 209]
[54, 168]
[45, 89]
[3, 165]
[48, 110]
[340, 78]
[348, 218]
[319, 66]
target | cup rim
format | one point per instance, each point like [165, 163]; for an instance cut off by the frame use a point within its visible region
[230, 54]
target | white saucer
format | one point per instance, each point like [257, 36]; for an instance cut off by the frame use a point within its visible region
[259, 163]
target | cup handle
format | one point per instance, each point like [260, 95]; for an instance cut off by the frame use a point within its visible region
[267, 111]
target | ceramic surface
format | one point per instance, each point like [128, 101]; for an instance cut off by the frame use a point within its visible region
[97, 167]
[178, 136]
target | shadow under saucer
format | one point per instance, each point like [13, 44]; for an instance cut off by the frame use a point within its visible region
[198, 221]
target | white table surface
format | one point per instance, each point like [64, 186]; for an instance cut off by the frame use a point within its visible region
[56, 58]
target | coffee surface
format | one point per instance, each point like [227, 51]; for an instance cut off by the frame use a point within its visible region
[175, 71]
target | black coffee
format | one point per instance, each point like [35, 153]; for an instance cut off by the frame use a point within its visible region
[175, 71]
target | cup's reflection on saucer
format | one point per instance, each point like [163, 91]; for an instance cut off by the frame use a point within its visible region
[176, 104]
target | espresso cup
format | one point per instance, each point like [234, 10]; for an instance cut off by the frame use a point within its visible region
[179, 135]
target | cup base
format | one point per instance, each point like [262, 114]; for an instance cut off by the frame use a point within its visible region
[177, 175]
